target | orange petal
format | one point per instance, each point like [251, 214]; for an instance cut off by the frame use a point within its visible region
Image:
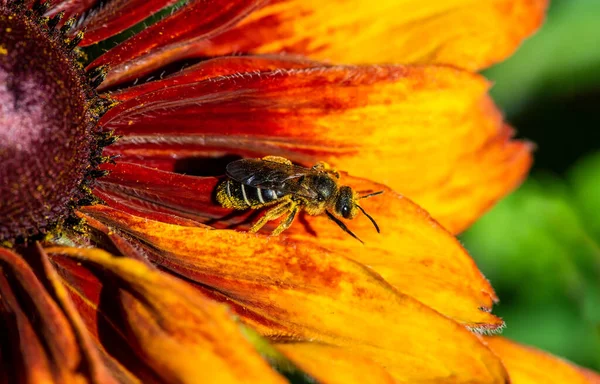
[430, 133]
[98, 307]
[591, 376]
[46, 345]
[413, 253]
[527, 365]
[181, 335]
[465, 33]
[334, 365]
[102, 368]
[316, 295]
[30, 362]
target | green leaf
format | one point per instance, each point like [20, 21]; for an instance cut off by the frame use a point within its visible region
[585, 181]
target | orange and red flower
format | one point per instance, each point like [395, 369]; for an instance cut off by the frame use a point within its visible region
[155, 285]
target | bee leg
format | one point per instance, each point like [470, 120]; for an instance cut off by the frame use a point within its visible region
[271, 214]
[285, 224]
[323, 166]
[277, 159]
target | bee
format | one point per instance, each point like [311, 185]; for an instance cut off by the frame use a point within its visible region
[275, 182]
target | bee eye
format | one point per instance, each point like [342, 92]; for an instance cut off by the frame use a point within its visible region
[345, 211]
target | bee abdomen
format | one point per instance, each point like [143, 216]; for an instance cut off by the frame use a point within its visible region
[232, 194]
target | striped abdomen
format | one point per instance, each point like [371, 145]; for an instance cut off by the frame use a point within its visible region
[233, 194]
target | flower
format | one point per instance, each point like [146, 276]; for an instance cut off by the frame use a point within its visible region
[117, 266]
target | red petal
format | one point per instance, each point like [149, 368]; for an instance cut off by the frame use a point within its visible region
[430, 133]
[99, 313]
[160, 192]
[118, 15]
[413, 253]
[222, 66]
[71, 8]
[20, 343]
[194, 22]
[48, 341]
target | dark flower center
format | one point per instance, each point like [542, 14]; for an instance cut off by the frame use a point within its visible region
[49, 147]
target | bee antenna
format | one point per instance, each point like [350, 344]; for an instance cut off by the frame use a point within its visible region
[342, 225]
[369, 216]
[371, 195]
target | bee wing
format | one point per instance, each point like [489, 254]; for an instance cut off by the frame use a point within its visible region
[264, 174]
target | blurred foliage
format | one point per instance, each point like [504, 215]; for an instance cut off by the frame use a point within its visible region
[540, 248]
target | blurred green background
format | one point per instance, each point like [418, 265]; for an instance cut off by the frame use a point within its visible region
[540, 247]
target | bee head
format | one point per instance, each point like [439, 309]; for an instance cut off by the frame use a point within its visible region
[345, 205]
